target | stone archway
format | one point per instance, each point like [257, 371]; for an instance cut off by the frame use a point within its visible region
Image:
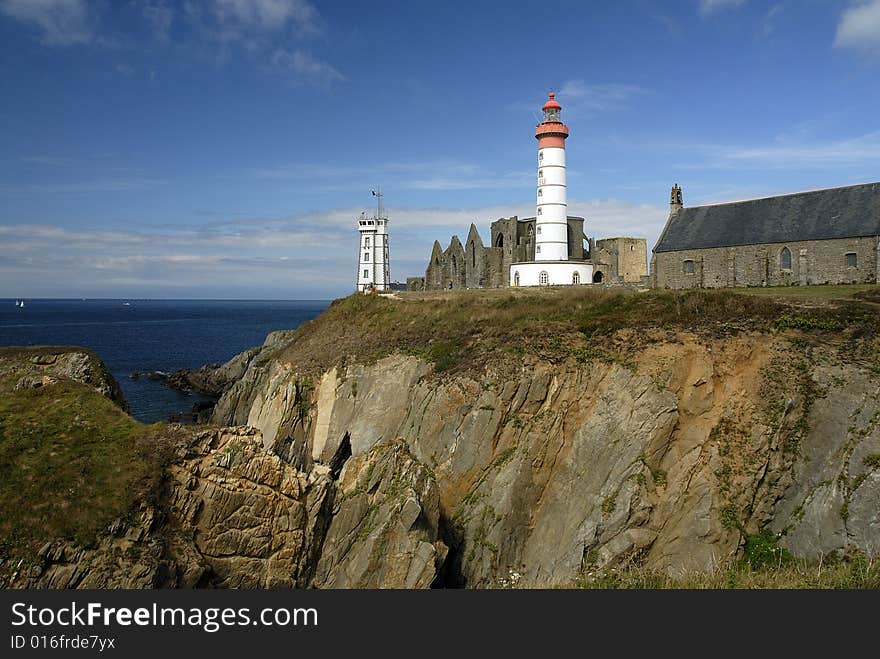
[597, 277]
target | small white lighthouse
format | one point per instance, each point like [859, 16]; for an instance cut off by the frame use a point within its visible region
[374, 270]
[551, 265]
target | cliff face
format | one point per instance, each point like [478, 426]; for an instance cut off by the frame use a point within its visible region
[478, 453]
[234, 515]
[670, 459]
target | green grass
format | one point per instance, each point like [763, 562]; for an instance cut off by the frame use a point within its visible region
[465, 330]
[71, 461]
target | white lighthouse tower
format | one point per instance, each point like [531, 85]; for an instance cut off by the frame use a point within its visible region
[551, 265]
[374, 271]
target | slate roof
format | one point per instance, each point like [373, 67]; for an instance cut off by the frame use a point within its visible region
[848, 212]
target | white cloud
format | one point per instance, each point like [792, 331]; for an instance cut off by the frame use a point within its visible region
[97, 185]
[859, 27]
[124, 69]
[708, 7]
[160, 18]
[266, 14]
[306, 68]
[788, 154]
[62, 22]
[425, 175]
[578, 96]
[768, 23]
[303, 255]
[250, 21]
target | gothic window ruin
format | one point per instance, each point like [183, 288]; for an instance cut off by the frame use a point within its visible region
[576, 278]
[785, 259]
[543, 279]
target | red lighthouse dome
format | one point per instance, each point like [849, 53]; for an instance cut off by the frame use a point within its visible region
[552, 103]
[551, 131]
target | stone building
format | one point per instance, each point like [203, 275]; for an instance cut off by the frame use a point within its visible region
[477, 265]
[819, 237]
[620, 260]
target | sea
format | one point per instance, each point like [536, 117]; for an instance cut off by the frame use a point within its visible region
[141, 336]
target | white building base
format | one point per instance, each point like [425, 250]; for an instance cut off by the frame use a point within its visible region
[551, 273]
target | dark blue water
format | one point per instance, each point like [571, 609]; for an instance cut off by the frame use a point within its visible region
[152, 335]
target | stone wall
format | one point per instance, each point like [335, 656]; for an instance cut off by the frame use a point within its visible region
[626, 258]
[812, 262]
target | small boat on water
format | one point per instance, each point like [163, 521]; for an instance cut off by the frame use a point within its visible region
[19, 303]
[126, 304]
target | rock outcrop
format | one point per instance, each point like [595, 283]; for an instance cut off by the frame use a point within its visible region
[670, 460]
[384, 532]
[235, 515]
[43, 366]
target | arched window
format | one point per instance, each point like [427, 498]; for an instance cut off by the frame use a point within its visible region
[576, 278]
[539, 228]
[540, 156]
[540, 192]
[473, 255]
[785, 259]
[543, 279]
[597, 278]
[538, 249]
[500, 241]
[539, 211]
[688, 267]
[516, 278]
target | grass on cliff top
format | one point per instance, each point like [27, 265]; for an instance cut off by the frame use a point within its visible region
[466, 329]
[71, 461]
[857, 573]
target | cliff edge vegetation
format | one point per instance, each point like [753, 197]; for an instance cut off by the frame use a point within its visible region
[468, 330]
[71, 459]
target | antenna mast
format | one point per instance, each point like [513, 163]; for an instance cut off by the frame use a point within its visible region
[377, 193]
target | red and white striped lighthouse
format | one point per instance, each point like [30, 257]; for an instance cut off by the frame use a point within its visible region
[551, 266]
[551, 220]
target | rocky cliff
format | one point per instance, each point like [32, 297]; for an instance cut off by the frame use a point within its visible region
[663, 432]
[670, 453]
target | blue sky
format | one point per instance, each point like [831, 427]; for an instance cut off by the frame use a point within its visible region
[223, 148]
